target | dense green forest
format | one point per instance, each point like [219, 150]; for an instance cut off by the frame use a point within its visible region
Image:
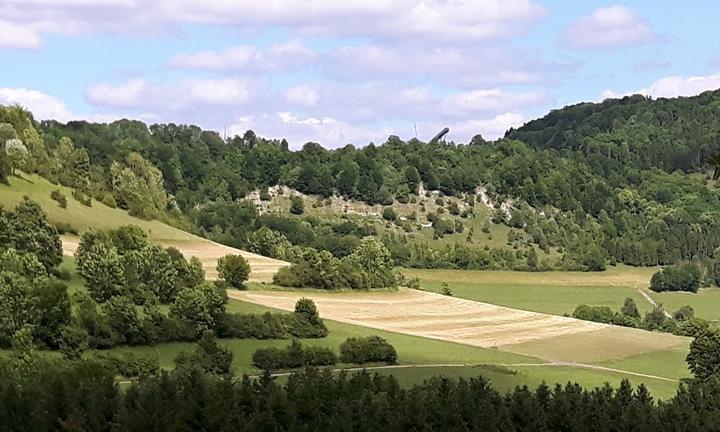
[50, 396]
[622, 181]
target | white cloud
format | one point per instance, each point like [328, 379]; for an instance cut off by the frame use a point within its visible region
[608, 27]
[458, 21]
[489, 100]
[466, 66]
[128, 94]
[220, 92]
[450, 20]
[42, 105]
[489, 128]
[246, 58]
[194, 94]
[16, 36]
[298, 130]
[673, 86]
[302, 95]
[333, 133]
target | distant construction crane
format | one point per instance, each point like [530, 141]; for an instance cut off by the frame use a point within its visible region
[440, 135]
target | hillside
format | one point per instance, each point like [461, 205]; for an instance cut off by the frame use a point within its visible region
[672, 134]
[77, 217]
[592, 184]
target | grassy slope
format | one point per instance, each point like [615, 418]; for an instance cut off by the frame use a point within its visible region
[79, 216]
[496, 238]
[100, 216]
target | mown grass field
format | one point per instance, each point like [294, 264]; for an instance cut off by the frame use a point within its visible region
[504, 369]
[555, 293]
[706, 302]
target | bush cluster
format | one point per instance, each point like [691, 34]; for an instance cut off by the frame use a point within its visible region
[129, 364]
[270, 326]
[59, 197]
[682, 322]
[369, 266]
[371, 349]
[682, 277]
[293, 356]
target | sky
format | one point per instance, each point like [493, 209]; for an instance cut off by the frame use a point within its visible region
[350, 71]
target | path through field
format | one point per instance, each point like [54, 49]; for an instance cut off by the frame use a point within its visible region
[425, 314]
[262, 268]
[650, 300]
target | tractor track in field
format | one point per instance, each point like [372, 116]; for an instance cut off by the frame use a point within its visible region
[652, 301]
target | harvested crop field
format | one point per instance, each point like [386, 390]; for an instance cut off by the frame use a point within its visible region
[473, 323]
[262, 268]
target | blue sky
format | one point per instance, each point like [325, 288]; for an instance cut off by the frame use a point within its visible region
[352, 71]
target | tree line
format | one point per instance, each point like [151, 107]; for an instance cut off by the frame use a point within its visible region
[83, 395]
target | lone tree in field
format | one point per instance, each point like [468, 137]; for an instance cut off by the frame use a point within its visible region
[234, 270]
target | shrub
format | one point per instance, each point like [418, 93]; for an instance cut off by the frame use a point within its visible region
[62, 274]
[684, 313]
[234, 270]
[65, 228]
[129, 364]
[630, 309]
[265, 195]
[683, 277]
[253, 326]
[389, 214]
[293, 356]
[297, 205]
[594, 260]
[82, 198]
[601, 314]
[445, 289]
[59, 197]
[306, 307]
[369, 349]
[109, 200]
[209, 356]
[268, 358]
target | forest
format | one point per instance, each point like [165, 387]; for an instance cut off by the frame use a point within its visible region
[84, 396]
